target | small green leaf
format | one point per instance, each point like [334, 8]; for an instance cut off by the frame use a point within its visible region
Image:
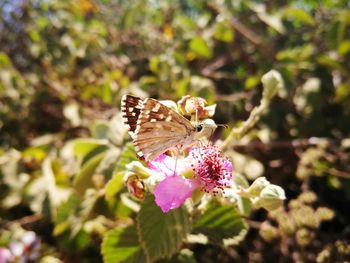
[223, 32]
[83, 179]
[100, 129]
[127, 156]
[220, 222]
[81, 147]
[67, 208]
[121, 245]
[200, 48]
[114, 185]
[161, 234]
[296, 14]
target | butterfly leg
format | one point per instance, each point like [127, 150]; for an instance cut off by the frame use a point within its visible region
[176, 157]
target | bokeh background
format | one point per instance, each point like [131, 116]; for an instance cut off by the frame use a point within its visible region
[64, 66]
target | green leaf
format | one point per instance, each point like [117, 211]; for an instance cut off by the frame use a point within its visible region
[121, 245]
[220, 222]
[100, 129]
[184, 256]
[200, 48]
[161, 234]
[81, 147]
[67, 208]
[296, 14]
[127, 156]
[83, 179]
[114, 185]
[223, 32]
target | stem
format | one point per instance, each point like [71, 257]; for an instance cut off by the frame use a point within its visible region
[272, 81]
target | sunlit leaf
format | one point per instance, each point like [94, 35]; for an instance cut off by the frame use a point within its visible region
[161, 234]
[200, 48]
[81, 147]
[114, 185]
[299, 15]
[121, 245]
[219, 222]
[223, 32]
[83, 179]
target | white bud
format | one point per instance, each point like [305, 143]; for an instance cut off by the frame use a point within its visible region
[271, 197]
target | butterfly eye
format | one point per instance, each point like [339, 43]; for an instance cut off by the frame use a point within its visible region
[199, 128]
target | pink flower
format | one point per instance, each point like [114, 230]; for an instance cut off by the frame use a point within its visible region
[26, 249]
[213, 170]
[5, 255]
[212, 173]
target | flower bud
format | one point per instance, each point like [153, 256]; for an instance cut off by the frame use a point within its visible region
[272, 82]
[268, 232]
[135, 186]
[304, 237]
[324, 213]
[257, 186]
[195, 106]
[271, 197]
[139, 169]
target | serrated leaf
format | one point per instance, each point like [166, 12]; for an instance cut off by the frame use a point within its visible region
[121, 245]
[220, 222]
[83, 179]
[161, 234]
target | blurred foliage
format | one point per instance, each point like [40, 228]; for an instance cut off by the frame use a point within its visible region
[64, 66]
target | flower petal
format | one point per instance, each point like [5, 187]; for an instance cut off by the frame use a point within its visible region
[173, 191]
[166, 165]
[5, 255]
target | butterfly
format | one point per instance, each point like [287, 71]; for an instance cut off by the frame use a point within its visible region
[156, 128]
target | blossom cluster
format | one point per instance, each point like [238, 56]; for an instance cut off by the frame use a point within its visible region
[27, 249]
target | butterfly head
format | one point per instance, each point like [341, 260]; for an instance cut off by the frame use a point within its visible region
[205, 128]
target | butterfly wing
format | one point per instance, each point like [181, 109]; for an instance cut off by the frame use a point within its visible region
[154, 127]
[157, 137]
[131, 108]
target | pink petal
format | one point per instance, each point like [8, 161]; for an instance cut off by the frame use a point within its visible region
[5, 255]
[166, 165]
[228, 166]
[173, 191]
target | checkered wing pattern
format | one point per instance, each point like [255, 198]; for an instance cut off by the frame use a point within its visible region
[154, 127]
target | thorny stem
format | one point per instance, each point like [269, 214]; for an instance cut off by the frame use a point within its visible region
[272, 81]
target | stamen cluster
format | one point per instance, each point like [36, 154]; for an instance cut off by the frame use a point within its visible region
[212, 169]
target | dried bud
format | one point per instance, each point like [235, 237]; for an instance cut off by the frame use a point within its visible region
[135, 186]
[195, 106]
[286, 224]
[324, 214]
[271, 197]
[305, 216]
[304, 237]
[268, 232]
[307, 197]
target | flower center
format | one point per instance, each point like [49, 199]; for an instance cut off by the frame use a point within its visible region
[212, 169]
